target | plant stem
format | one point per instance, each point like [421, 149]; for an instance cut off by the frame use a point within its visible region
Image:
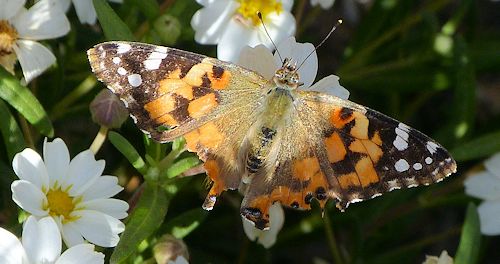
[83, 88]
[332, 243]
[26, 132]
[99, 139]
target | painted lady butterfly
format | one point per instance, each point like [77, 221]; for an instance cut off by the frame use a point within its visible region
[274, 142]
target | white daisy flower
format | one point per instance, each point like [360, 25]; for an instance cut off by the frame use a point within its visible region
[486, 185]
[72, 192]
[325, 4]
[20, 28]
[85, 10]
[41, 243]
[233, 24]
[266, 238]
[261, 60]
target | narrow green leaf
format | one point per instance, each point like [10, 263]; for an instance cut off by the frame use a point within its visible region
[150, 8]
[181, 166]
[144, 220]
[470, 240]
[128, 151]
[114, 28]
[12, 135]
[480, 147]
[21, 98]
[185, 223]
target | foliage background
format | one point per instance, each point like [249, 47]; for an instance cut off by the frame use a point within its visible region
[431, 64]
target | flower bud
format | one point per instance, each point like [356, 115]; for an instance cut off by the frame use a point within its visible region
[170, 249]
[168, 29]
[107, 110]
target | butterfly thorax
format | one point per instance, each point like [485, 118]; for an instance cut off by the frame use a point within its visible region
[287, 77]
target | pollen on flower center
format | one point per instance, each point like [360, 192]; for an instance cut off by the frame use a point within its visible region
[8, 36]
[60, 203]
[248, 9]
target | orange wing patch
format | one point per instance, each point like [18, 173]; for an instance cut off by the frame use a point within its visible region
[207, 136]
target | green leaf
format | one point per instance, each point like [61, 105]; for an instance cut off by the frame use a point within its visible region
[21, 98]
[114, 28]
[128, 151]
[182, 166]
[12, 136]
[149, 8]
[480, 147]
[185, 223]
[470, 240]
[144, 220]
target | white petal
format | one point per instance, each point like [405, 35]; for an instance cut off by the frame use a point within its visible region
[493, 165]
[325, 4]
[114, 207]
[99, 228]
[81, 254]
[298, 52]
[287, 4]
[29, 166]
[41, 239]
[70, 234]
[10, 8]
[258, 59]
[11, 249]
[280, 27]
[210, 22]
[489, 217]
[83, 172]
[33, 57]
[266, 238]
[483, 185]
[104, 187]
[235, 37]
[44, 20]
[56, 157]
[276, 221]
[29, 197]
[250, 230]
[85, 11]
[179, 260]
[65, 4]
[330, 85]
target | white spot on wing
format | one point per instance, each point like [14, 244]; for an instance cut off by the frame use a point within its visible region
[116, 60]
[428, 160]
[155, 58]
[431, 147]
[401, 141]
[135, 79]
[401, 165]
[417, 166]
[122, 71]
[122, 48]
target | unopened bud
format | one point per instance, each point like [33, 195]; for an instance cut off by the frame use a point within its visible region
[170, 250]
[168, 29]
[107, 110]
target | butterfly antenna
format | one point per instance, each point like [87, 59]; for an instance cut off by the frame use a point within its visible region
[269, 36]
[321, 43]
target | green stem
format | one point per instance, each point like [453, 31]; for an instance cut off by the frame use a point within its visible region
[169, 159]
[332, 243]
[99, 139]
[61, 108]
[26, 132]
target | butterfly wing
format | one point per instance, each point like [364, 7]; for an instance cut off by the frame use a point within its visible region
[344, 151]
[172, 93]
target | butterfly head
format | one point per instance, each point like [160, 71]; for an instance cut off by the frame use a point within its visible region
[287, 76]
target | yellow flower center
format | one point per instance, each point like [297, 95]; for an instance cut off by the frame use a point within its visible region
[249, 8]
[8, 36]
[60, 204]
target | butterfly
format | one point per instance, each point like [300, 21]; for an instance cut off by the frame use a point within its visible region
[272, 141]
